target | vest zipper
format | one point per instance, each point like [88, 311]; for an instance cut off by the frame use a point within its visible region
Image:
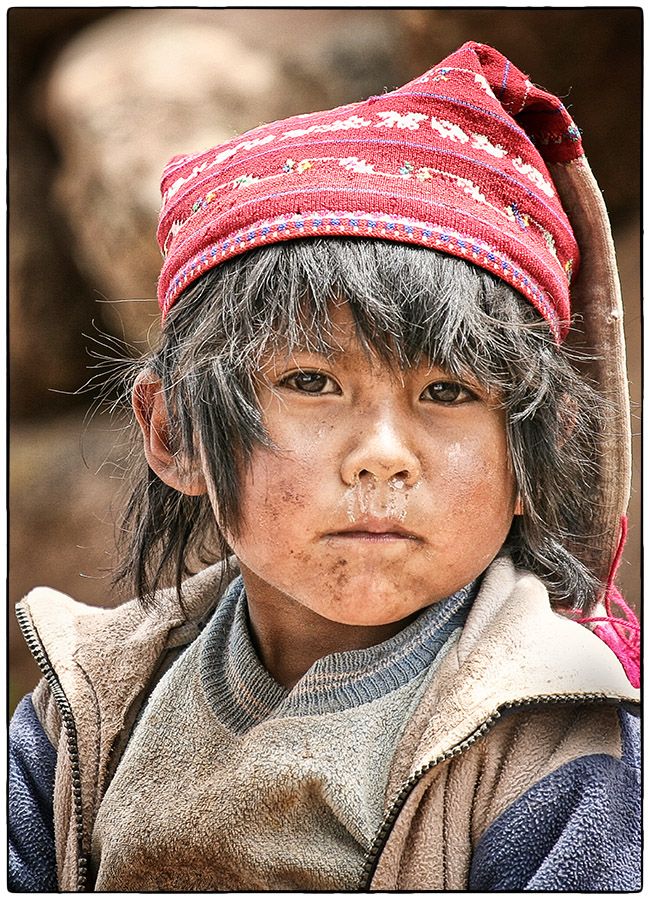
[38, 652]
[381, 838]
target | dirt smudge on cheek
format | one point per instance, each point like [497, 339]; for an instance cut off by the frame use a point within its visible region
[282, 500]
[291, 498]
[331, 577]
[340, 572]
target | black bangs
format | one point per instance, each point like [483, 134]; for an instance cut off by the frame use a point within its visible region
[409, 305]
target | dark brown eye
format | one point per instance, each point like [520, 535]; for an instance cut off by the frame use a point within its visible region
[448, 392]
[310, 383]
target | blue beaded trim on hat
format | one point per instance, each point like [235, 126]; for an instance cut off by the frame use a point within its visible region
[404, 230]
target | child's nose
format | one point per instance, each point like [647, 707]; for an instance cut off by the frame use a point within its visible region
[381, 453]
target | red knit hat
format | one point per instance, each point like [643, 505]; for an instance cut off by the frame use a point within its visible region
[455, 160]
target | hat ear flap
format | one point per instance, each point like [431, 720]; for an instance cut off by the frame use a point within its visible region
[595, 292]
[597, 310]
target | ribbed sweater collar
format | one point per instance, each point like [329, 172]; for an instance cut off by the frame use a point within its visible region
[242, 693]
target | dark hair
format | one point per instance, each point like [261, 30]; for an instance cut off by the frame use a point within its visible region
[408, 304]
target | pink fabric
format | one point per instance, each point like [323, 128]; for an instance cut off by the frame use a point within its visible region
[620, 632]
[454, 160]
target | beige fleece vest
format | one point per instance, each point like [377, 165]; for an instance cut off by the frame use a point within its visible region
[513, 651]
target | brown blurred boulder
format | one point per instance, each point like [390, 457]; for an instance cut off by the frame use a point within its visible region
[48, 312]
[49, 306]
[141, 86]
[65, 491]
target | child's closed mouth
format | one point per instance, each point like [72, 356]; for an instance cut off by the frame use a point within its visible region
[375, 531]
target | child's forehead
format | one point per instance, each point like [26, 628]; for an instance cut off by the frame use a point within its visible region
[341, 343]
[334, 335]
[438, 331]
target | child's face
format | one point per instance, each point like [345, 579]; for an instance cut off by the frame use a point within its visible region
[390, 490]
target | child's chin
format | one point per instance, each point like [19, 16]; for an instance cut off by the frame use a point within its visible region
[366, 608]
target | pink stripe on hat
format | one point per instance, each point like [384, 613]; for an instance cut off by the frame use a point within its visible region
[455, 160]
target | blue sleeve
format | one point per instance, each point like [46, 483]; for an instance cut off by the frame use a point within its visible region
[32, 761]
[578, 829]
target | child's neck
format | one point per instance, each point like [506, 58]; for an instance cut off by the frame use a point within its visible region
[289, 637]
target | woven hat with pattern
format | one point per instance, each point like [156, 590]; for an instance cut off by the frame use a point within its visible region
[454, 160]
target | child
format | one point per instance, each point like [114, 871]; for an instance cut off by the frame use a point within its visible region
[366, 404]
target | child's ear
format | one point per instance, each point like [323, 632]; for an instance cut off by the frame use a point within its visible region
[151, 412]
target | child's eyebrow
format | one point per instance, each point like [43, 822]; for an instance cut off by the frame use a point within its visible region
[286, 354]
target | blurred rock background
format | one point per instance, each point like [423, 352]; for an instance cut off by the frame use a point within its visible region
[100, 98]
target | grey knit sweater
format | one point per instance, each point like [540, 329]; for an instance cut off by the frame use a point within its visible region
[268, 788]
